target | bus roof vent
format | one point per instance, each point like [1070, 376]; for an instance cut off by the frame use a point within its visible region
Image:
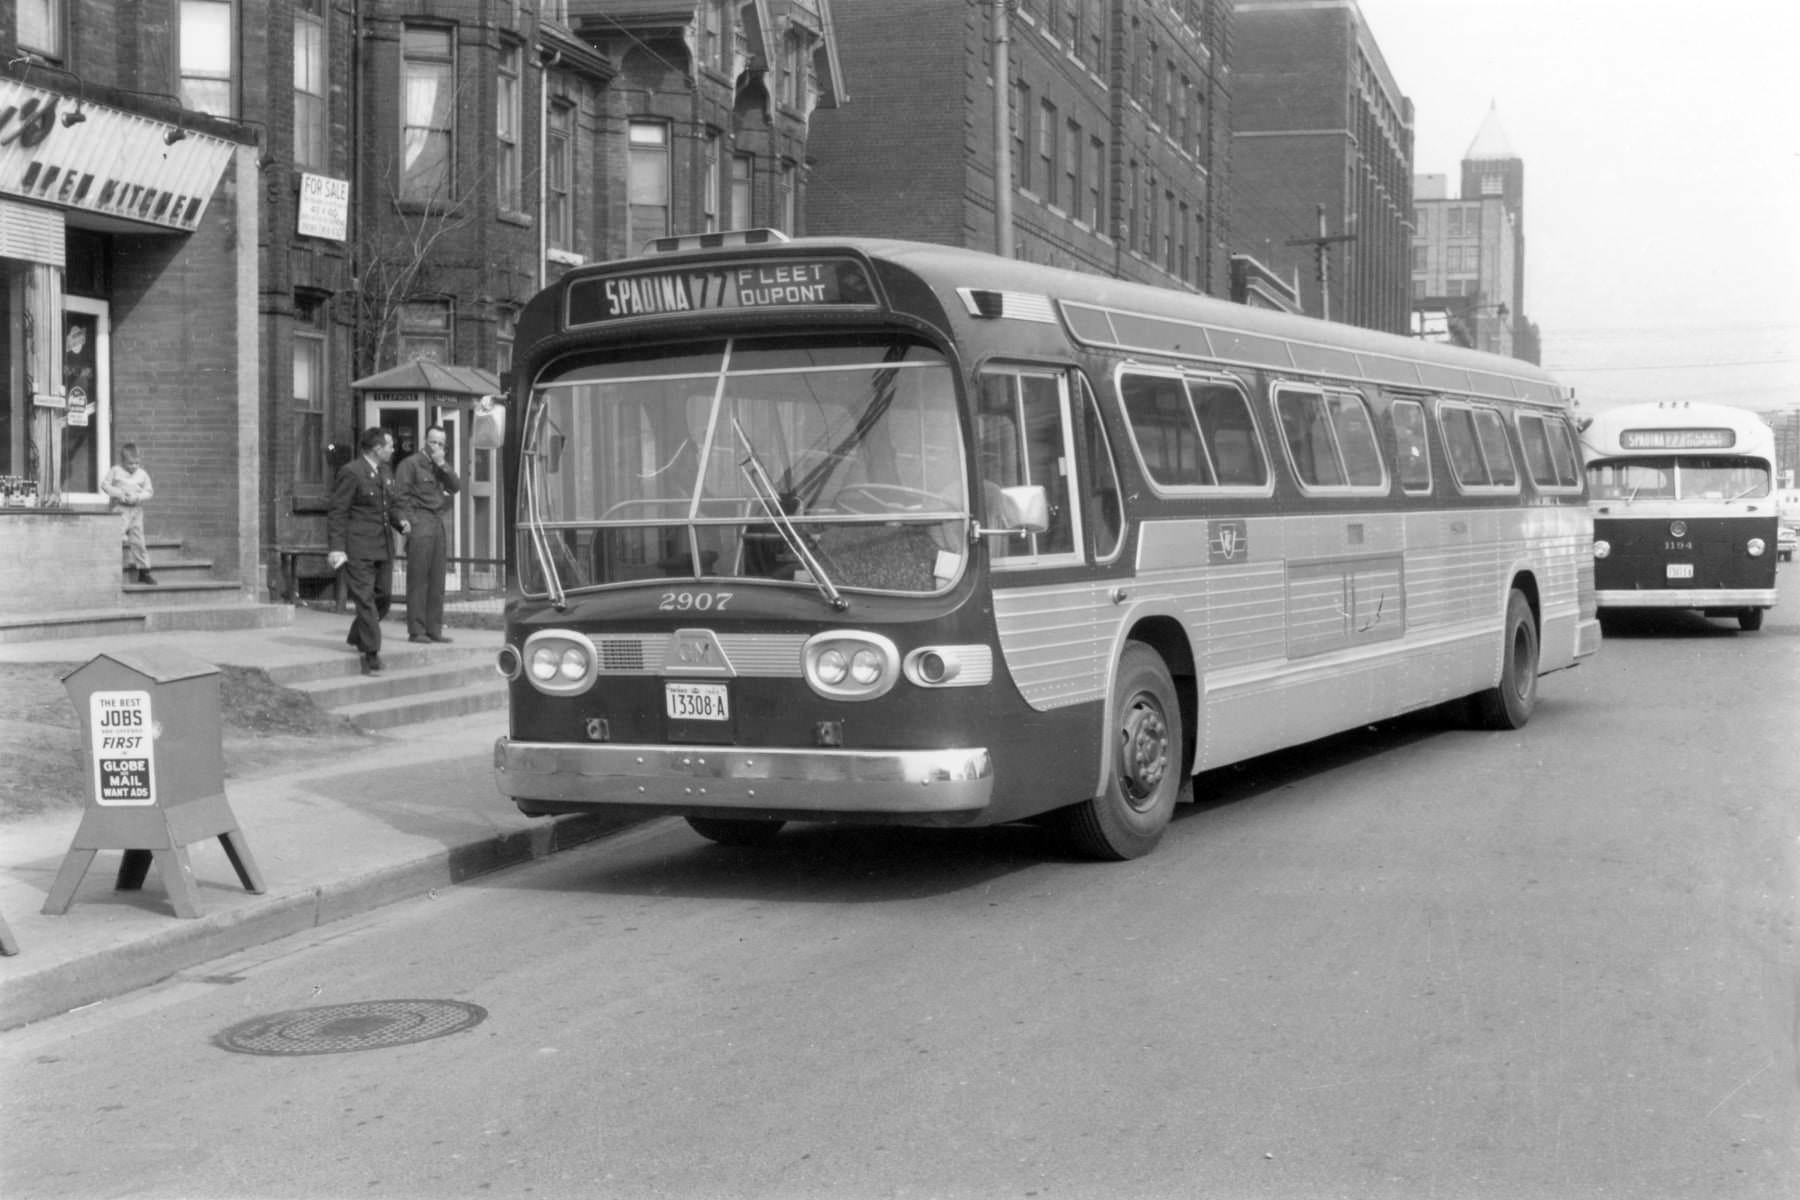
[1017, 306]
[712, 241]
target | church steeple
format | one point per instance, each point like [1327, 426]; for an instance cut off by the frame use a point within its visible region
[1490, 142]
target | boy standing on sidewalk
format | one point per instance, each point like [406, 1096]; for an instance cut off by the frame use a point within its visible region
[129, 486]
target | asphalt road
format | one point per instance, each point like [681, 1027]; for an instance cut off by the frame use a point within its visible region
[1410, 962]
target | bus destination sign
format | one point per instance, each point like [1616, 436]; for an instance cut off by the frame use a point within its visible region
[1677, 439]
[769, 284]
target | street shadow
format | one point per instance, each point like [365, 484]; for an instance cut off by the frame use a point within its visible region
[1667, 624]
[872, 864]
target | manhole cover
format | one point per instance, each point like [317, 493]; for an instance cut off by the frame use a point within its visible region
[342, 1028]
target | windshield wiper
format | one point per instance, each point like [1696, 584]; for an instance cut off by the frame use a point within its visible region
[770, 501]
[540, 540]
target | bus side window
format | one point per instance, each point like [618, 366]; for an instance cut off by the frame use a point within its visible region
[1356, 439]
[1021, 438]
[1230, 433]
[1162, 425]
[1536, 442]
[1307, 428]
[1562, 452]
[1100, 476]
[1490, 431]
[1465, 451]
[1412, 448]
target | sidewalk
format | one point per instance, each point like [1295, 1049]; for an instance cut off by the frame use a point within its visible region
[416, 811]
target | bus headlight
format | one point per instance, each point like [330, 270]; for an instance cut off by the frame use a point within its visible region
[559, 662]
[1756, 546]
[1602, 548]
[950, 666]
[847, 664]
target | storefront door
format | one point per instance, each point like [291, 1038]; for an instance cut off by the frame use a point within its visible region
[407, 420]
[84, 433]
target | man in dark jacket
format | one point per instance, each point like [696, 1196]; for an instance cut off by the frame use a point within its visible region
[423, 486]
[356, 536]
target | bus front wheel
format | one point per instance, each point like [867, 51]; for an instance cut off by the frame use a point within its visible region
[735, 831]
[1750, 619]
[1508, 704]
[1128, 818]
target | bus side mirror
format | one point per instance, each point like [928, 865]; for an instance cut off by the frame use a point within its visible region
[1020, 510]
[487, 430]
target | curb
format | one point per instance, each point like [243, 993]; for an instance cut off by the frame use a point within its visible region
[107, 974]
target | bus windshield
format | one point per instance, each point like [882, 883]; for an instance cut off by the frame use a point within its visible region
[829, 463]
[1678, 478]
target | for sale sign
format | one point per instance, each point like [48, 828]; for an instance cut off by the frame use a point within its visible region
[124, 743]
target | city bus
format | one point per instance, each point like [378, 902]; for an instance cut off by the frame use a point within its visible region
[1685, 509]
[859, 530]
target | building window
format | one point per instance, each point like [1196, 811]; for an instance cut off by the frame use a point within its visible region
[1184, 263]
[1022, 113]
[1492, 184]
[429, 112]
[785, 197]
[507, 110]
[1073, 193]
[41, 27]
[793, 71]
[425, 330]
[310, 74]
[709, 187]
[1168, 233]
[743, 177]
[647, 183]
[207, 40]
[506, 329]
[1095, 173]
[1420, 259]
[1049, 132]
[310, 385]
[1096, 27]
[715, 32]
[559, 214]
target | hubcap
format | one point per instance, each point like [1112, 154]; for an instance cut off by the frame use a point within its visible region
[1143, 752]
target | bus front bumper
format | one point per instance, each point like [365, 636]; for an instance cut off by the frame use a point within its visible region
[860, 782]
[1688, 598]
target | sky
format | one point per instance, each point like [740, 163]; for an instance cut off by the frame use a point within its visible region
[1661, 143]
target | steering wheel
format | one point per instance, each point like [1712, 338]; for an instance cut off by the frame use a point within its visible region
[887, 498]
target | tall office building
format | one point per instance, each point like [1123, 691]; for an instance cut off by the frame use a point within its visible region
[1115, 129]
[1468, 251]
[1322, 145]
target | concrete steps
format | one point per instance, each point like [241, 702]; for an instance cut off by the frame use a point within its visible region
[203, 614]
[419, 683]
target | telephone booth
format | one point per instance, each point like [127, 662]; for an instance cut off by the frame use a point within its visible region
[406, 401]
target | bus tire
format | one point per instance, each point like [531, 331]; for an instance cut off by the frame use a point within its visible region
[1750, 619]
[1128, 818]
[1508, 704]
[735, 831]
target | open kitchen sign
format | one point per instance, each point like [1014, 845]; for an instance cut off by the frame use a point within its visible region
[124, 752]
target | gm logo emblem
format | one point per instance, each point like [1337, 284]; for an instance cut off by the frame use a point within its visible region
[696, 652]
[1227, 542]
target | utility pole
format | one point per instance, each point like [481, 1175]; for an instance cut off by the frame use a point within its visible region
[1320, 243]
[1003, 231]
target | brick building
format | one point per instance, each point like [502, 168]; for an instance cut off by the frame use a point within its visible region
[128, 226]
[1117, 129]
[383, 181]
[1322, 148]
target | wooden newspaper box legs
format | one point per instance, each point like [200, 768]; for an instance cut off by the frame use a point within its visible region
[155, 773]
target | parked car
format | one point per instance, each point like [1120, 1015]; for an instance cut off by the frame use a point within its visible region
[1786, 537]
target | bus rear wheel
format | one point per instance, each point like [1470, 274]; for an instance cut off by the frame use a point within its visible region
[1508, 704]
[1749, 619]
[735, 831]
[1129, 817]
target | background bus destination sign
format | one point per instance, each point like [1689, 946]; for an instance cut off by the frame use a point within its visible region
[1677, 439]
[771, 283]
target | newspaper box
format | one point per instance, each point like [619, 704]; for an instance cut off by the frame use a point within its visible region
[155, 771]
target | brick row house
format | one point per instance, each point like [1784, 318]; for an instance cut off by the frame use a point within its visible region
[306, 195]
